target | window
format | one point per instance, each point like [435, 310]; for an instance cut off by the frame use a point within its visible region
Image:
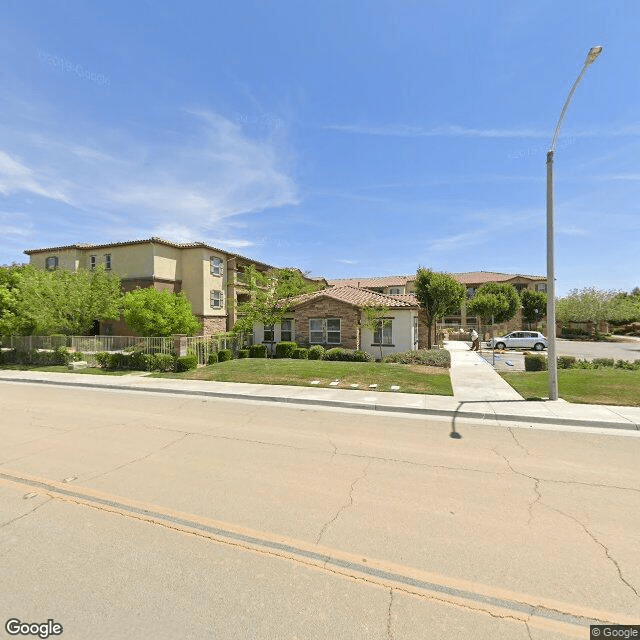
[470, 292]
[333, 331]
[395, 291]
[286, 328]
[217, 299]
[92, 262]
[107, 261]
[541, 287]
[382, 334]
[519, 286]
[268, 333]
[216, 266]
[316, 330]
[324, 330]
[51, 263]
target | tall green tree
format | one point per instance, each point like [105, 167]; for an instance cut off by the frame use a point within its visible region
[272, 294]
[495, 300]
[597, 305]
[150, 312]
[439, 294]
[43, 302]
[534, 305]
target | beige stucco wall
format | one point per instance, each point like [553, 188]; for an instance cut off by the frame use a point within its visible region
[401, 334]
[167, 262]
[68, 259]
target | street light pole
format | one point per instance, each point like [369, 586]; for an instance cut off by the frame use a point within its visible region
[594, 52]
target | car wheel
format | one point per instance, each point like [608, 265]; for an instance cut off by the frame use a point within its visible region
[500, 345]
[538, 346]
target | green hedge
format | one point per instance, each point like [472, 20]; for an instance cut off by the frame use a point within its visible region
[243, 353]
[300, 354]
[258, 351]
[224, 355]
[285, 349]
[59, 356]
[566, 362]
[316, 352]
[534, 362]
[213, 358]
[185, 363]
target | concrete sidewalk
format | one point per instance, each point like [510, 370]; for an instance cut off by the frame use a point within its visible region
[472, 401]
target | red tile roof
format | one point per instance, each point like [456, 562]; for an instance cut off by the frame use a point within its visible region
[357, 298]
[482, 277]
[383, 281]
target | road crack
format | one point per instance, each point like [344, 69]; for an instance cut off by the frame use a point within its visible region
[513, 435]
[603, 546]
[389, 627]
[347, 505]
[24, 515]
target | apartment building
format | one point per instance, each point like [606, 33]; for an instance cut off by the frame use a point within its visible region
[212, 279]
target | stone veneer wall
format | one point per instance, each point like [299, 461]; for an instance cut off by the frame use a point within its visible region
[329, 308]
[212, 325]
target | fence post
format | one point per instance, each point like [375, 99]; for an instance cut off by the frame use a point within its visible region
[180, 344]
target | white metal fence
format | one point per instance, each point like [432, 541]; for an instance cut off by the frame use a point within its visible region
[203, 346]
[88, 344]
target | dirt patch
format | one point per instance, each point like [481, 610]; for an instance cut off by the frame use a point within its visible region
[421, 368]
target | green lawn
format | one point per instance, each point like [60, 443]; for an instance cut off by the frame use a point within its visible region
[96, 371]
[410, 378]
[588, 386]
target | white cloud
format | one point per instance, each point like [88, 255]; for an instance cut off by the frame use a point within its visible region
[343, 261]
[187, 186]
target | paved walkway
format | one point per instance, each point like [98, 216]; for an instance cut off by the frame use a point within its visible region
[479, 394]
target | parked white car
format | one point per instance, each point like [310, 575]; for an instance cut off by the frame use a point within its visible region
[520, 340]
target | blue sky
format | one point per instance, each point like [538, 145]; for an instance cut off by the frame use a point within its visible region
[347, 138]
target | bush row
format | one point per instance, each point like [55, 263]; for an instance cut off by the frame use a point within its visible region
[428, 357]
[138, 361]
[537, 362]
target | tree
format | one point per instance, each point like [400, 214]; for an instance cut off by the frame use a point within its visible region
[499, 301]
[534, 305]
[150, 312]
[439, 294]
[597, 305]
[272, 293]
[39, 302]
[375, 318]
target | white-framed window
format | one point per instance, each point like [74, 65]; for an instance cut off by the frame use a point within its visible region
[286, 330]
[325, 331]
[382, 333]
[269, 333]
[92, 262]
[216, 265]
[333, 331]
[394, 291]
[216, 299]
[316, 330]
[51, 263]
[470, 292]
[541, 287]
[107, 261]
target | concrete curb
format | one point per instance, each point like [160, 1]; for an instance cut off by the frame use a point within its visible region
[455, 414]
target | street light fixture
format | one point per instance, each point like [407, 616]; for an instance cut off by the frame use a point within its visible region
[594, 52]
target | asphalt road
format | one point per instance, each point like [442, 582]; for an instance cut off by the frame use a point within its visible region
[152, 516]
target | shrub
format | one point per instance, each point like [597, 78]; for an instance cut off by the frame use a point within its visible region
[300, 354]
[138, 361]
[603, 362]
[61, 355]
[161, 362]
[535, 362]
[337, 353]
[316, 352]
[258, 351]
[243, 353]
[185, 363]
[426, 357]
[566, 362]
[628, 365]
[285, 349]
[584, 364]
[362, 356]
[213, 358]
[102, 359]
[225, 354]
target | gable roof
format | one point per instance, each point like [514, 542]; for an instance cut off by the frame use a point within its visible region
[154, 240]
[382, 281]
[482, 277]
[357, 297]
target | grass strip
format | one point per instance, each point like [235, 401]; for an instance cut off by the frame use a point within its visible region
[583, 386]
[410, 378]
